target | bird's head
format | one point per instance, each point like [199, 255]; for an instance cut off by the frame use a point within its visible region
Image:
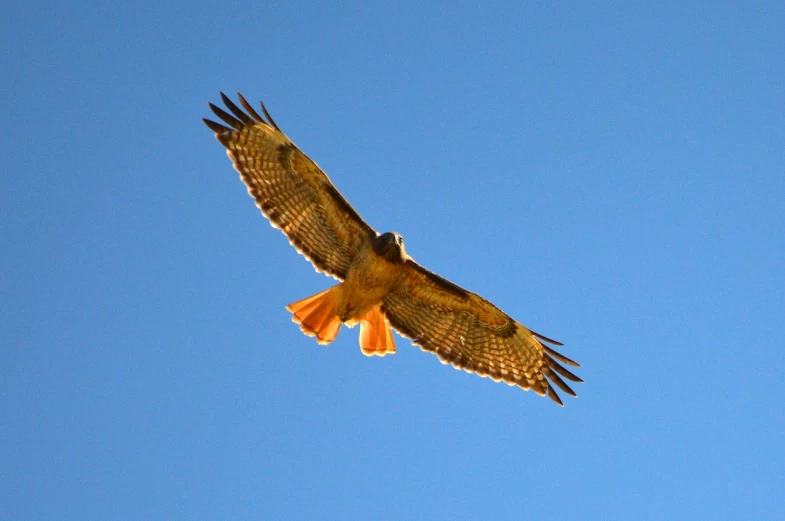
[390, 246]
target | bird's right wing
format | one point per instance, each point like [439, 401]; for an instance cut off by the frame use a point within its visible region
[290, 189]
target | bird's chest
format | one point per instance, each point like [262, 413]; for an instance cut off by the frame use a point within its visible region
[369, 280]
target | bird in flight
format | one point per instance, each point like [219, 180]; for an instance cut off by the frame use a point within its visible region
[381, 285]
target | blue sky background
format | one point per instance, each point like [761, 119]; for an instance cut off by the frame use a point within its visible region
[612, 176]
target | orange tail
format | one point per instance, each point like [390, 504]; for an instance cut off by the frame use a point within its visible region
[375, 335]
[316, 316]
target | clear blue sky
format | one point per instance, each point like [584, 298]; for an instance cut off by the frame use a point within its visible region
[611, 176]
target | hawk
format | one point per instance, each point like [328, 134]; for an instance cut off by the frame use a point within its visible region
[381, 285]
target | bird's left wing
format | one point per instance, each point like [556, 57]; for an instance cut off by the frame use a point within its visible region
[472, 334]
[290, 189]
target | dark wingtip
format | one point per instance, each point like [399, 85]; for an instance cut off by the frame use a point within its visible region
[269, 117]
[553, 395]
[238, 117]
[215, 127]
[561, 384]
[237, 111]
[226, 117]
[247, 106]
[556, 366]
[560, 357]
[546, 339]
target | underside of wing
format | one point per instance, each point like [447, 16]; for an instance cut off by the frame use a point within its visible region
[290, 189]
[470, 333]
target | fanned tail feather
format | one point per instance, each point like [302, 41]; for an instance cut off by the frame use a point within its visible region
[316, 316]
[375, 335]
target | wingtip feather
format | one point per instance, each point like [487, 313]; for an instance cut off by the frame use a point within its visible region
[247, 106]
[553, 395]
[242, 116]
[561, 384]
[226, 117]
[215, 127]
[560, 357]
[556, 366]
[546, 339]
[269, 117]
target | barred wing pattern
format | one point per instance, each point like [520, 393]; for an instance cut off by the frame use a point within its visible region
[290, 189]
[468, 332]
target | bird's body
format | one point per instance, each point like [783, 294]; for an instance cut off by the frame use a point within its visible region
[371, 277]
[381, 286]
[373, 274]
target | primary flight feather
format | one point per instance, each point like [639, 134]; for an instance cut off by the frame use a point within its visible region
[381, 286]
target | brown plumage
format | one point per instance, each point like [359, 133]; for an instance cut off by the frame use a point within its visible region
[381, 285]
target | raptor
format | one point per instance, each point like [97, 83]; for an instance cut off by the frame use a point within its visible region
[380, 284]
